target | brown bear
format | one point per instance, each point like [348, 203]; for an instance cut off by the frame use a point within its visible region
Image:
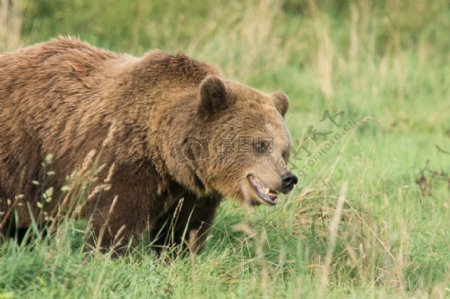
[171, 138]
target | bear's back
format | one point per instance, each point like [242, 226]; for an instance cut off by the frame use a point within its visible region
[46, 93]
[64, 64]
[60, 49]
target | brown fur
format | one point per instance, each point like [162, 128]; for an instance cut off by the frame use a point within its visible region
[167, 116]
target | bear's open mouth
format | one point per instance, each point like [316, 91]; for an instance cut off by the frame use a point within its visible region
[267, 195]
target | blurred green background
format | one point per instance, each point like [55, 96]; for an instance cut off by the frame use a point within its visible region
[384, 64]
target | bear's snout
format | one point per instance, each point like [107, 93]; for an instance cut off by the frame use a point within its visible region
[288, 181]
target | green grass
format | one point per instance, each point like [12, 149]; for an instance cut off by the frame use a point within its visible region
[385, 65]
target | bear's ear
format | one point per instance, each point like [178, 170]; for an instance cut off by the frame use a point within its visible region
[281, 102]
[213, 95]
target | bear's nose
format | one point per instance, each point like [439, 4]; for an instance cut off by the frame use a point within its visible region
[288, 180]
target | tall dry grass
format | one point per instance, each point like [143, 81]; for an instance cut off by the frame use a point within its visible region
[10, 24]
[383, 59]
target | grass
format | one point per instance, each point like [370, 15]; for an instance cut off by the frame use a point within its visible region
[369, 218]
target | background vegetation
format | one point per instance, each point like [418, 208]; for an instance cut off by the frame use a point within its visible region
[370, 216]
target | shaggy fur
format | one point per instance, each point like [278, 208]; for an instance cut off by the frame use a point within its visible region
[166, 120]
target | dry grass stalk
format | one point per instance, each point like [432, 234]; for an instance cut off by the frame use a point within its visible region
[333, 232]
[104, 227]
[10, 24]
[324, 58]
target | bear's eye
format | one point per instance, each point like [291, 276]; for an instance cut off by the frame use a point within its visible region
[285, 155]
[261, 146]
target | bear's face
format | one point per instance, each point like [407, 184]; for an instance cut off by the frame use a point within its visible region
[243, 145]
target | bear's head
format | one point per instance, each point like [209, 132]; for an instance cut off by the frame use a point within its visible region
[238, 145]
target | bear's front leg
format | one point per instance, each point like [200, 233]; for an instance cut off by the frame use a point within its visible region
[115, 226]
[119, 216]
[187, 223]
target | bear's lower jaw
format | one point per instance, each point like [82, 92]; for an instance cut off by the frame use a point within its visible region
[266, 195]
